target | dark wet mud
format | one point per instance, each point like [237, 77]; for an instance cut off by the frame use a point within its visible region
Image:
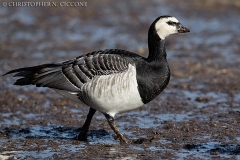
[196, 117]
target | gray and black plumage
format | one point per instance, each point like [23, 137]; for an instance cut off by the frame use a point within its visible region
[109, 81]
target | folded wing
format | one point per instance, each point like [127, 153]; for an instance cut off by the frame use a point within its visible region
[71, 75]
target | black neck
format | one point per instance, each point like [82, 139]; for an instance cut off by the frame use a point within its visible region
[156, 47]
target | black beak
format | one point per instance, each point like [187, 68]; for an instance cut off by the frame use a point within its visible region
[182, 29]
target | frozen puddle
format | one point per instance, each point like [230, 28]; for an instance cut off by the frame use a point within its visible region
[214, 148]
[144, 119]
[201, 99]
[209, 98]
[10, 119]
[39, 132]
[52, 132]
[173, 117]
[43, 154]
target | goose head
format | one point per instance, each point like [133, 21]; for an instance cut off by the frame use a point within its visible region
[168, 25]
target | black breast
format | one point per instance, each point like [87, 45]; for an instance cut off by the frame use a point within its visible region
[152, 78]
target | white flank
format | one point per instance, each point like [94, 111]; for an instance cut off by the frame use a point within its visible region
[114, 93]
[164, 29]
[110, 94]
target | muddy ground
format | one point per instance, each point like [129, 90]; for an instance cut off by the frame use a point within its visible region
[196, 117]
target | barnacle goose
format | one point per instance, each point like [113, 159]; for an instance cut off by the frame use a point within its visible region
[109, 81]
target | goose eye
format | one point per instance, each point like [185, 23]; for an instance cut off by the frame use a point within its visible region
[171, 23]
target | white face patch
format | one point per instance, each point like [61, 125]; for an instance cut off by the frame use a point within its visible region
[163, 29]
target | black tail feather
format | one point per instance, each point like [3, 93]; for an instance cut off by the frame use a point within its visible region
[29, 73]
[23, 81]
[32, 69]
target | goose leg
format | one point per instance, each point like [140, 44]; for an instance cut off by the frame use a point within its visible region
[111, 122]
[82, 136]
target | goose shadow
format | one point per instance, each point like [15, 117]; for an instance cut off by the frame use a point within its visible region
[51, 132]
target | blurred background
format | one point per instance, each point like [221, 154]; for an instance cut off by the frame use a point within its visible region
[204, 90]
[57, 33]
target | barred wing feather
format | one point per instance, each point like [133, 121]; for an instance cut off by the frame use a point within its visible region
[71, 75]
